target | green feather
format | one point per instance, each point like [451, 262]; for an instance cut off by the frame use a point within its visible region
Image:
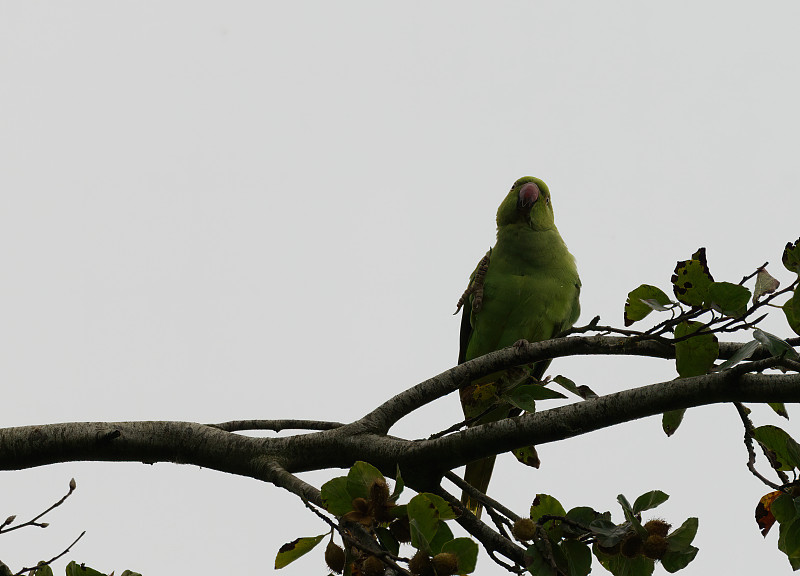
[530, 292]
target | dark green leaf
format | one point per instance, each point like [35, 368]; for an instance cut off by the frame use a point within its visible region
[546, 505]
[620, 566]
[566, 384]
[789, 542]
[728, 298]
[524, 396]
[443, 536]
[792, 311]
[360, 478]
[779, 408]
[557, 553]
[696, 354]
[793, 452]
[387, 540]
[335, 497]
[681, 538]
[626, 506]
[423, 520]
[776, 441]
[743, 353]
[528, 456]
[643, 300]
[75, 569]
[583, 391]
[398, 511]
[630, 516]
[608, 533]
[466, 550]
[444, 509]
[649, 500]
[43, 571]
[536, 563]
[675, 560]
[671, 420]
[398, 486]
[578, 556]
[584, 516]
[791, 256]
[784, 508]
[691, 279]
[291, 551]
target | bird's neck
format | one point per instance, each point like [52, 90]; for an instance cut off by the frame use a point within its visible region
[533, 247]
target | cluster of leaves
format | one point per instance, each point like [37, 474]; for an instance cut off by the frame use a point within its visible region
[75, 569]
[697, 350]
[723, 307]
[791, 260]
[782, 505]
[362, 500]
[561, 542]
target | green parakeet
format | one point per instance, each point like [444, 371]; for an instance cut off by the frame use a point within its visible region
[525, 288]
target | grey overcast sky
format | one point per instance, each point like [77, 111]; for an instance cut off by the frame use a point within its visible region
[225, 210]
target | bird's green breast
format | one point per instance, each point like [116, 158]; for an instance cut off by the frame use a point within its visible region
[530, 291]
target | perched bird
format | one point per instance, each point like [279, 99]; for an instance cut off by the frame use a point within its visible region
[525, 288]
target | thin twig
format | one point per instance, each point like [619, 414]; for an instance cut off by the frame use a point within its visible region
[480, 496]
[53, 559]
[491, 540]
[33, 521]
[515, 568]
[748, 442]
[466, 422]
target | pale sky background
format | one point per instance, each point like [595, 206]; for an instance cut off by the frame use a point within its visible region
[226, 210]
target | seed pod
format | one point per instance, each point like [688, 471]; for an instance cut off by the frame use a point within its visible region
[379, 492]
[631, 545]
[373, 566]
[524, 529]
[655, 547]
[360, 505]
[445, 564]
[421, 565]
[401, 530]
[334, 557]
[658, 527]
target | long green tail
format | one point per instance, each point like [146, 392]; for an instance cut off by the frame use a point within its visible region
[477, 474]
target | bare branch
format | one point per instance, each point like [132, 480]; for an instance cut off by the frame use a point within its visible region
[34, 521]
[480, 496]
[748, 442]
[491, 540]
[53, 559]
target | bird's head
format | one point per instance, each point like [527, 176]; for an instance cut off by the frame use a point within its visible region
[528, 203]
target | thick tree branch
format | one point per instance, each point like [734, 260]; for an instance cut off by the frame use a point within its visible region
[276, 425]
[583, 417]
[423, 462]
[327, 445]
[390, 412]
